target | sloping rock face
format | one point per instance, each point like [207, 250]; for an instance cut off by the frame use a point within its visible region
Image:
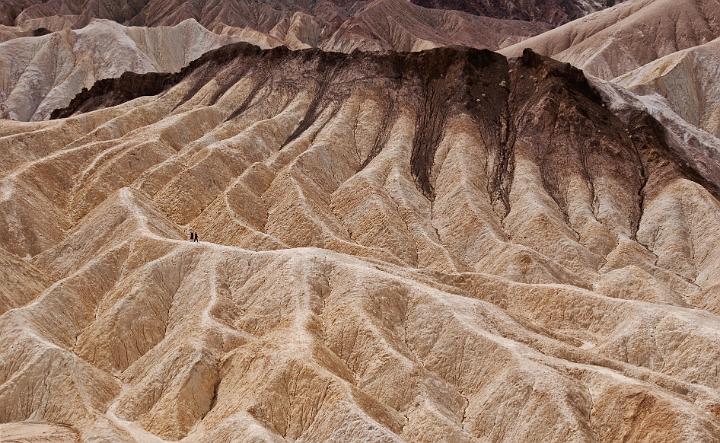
[41, 74]
[20, 12]
[338, 26]
[169, 12]
[610, 43]
[688, 79]
[41, 70]
[436, 245]
[262, 15]
[402, 26]
[37, 433]
[554, 12]
[398, 25]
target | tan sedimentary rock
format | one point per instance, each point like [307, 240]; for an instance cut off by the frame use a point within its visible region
[22, 282]
[443, 245]
[263, 15]
[36, 433]
[688, 79]
[625, 37]
[398, 25]
[11, 32]
[402, 26]
[41, 74]
[554, 12]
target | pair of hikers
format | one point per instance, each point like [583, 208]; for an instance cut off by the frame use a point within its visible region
[193, 236]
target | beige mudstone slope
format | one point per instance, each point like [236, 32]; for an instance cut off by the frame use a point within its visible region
[40, 74]
[343, 25]
[620, 39]
[36, 433]
[383, 25]
[688, 79]
[262, 15]
[397, 25]
[443, 245]
[11, 32]
[402, 26]
[554, 12]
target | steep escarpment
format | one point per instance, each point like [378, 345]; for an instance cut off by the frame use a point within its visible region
[445, 244]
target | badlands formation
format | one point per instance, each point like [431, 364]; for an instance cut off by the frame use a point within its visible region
[41, 74]
[337, 26]
[554, 12]
[614, 41]
[442, 245]
[41, 70]
[267, 13]
[688, 79]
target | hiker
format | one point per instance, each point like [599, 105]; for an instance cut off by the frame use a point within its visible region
[192, 235]
[196, 238]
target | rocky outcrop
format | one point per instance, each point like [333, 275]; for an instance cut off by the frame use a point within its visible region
[37, 433]
[264, 15]
[43, 73]
[612, 42]
[402, 26]
[40, 74]
[687, 80]
[554, 12]
[422, 246]
[338, 26]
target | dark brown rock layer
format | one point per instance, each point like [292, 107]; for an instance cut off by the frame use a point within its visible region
[506, 98]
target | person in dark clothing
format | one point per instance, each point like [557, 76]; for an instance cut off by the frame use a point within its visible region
[196, 238]
[192, 235]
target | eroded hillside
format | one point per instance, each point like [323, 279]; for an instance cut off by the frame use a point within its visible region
[443, 244]
[39, 74]
[612, 42]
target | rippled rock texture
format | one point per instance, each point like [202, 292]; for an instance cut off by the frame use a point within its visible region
[39, 74]
[436, 245]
